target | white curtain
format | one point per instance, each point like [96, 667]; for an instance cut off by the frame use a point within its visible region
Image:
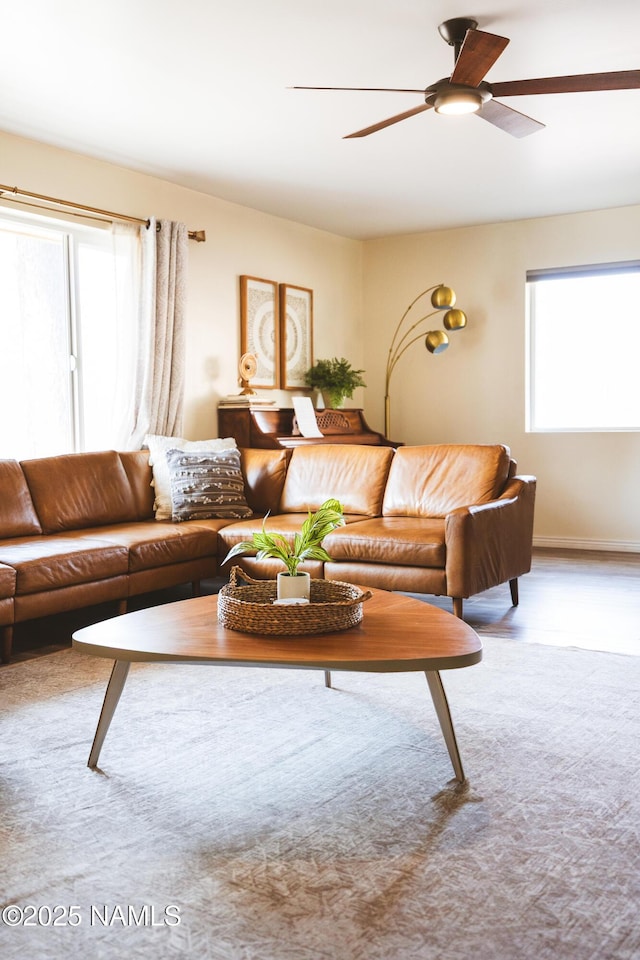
[157, 397]
[127, 248]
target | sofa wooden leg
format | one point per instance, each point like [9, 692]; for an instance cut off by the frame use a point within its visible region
[7, 643]
[122, 607]
[513, 586]
[196, 588]
[457, 607]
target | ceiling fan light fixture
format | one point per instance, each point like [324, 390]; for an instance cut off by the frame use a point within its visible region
[458, 100]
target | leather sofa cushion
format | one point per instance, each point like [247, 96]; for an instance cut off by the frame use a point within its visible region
[46, 603]
[353, 474]
[264, 472]
[158, 543]
[138, 470]
[7, 582]
[48, 563]
[17, 514]
[80, 490]
[385, 577]
[431, 481]
[390, 540]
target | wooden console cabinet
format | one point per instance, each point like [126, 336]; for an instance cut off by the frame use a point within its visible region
[275, 427]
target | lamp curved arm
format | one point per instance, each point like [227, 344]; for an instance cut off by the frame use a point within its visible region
[397, 353]
[391, 368]
[404, 315]
[399, 346]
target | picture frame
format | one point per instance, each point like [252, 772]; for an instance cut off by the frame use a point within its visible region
[296, 335]
[260, 329]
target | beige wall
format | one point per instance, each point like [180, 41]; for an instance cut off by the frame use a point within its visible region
[239, 241]
[475, 391]
[587, 493]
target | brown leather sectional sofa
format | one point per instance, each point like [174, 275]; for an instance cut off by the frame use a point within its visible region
[78, 530]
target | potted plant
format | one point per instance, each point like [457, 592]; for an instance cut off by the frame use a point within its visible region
[335, 378]
[307, 545]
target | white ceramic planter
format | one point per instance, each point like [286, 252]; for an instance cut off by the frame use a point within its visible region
[298, 587]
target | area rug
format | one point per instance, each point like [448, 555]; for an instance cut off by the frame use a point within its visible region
[253, 814]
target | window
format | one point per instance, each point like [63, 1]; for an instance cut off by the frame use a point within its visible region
[67, 346]
[583, 348]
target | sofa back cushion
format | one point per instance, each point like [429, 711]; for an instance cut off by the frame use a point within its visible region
[140, 475]
[264, 472]
[431, 481]
[354, 474]
[80, 490]
[17, 514]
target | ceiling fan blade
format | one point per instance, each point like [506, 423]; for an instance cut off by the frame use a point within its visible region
[581, 83]
[517, 124]
[387, 123]
[365, 89]
[478, 54]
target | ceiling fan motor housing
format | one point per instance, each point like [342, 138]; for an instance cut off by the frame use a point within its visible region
[454, 31]
[444, 88]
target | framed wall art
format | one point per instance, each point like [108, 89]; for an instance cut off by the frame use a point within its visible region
[260, 330]
[296, 334]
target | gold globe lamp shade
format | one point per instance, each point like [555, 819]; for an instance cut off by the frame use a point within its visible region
[436, 341]
[454, 320]
[443, 297]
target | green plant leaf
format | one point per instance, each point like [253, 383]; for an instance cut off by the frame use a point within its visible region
[247, 546]
[261, 541]
[336, 376]
[315, 553]
[306, 542]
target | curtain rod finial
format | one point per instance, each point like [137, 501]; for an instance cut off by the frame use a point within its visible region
[198, 235]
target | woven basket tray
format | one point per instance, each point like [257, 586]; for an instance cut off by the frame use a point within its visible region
[333, 606]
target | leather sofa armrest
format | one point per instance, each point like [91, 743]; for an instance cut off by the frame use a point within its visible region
[490, 543]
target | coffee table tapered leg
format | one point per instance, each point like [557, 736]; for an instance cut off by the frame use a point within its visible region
[444, 716]
[112, 696]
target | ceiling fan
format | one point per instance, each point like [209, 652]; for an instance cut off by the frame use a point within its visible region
[466, 90]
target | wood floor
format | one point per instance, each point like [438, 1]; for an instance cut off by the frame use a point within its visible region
[573, 598]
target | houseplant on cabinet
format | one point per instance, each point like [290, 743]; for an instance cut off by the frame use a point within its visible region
[307, 545]
[335, 379]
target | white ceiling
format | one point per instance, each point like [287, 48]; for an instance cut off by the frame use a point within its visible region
[195, 91]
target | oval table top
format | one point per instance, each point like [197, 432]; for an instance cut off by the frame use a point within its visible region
[397, 634]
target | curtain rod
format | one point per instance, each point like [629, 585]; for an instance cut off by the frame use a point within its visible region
[198, 235]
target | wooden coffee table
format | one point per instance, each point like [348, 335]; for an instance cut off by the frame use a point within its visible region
[397, 634]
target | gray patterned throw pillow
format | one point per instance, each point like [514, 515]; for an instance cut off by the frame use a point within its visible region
[206, 484]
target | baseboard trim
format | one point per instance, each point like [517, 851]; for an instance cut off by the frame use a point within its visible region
[563, 543]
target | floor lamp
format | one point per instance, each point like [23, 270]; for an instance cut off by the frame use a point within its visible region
[442, 298]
